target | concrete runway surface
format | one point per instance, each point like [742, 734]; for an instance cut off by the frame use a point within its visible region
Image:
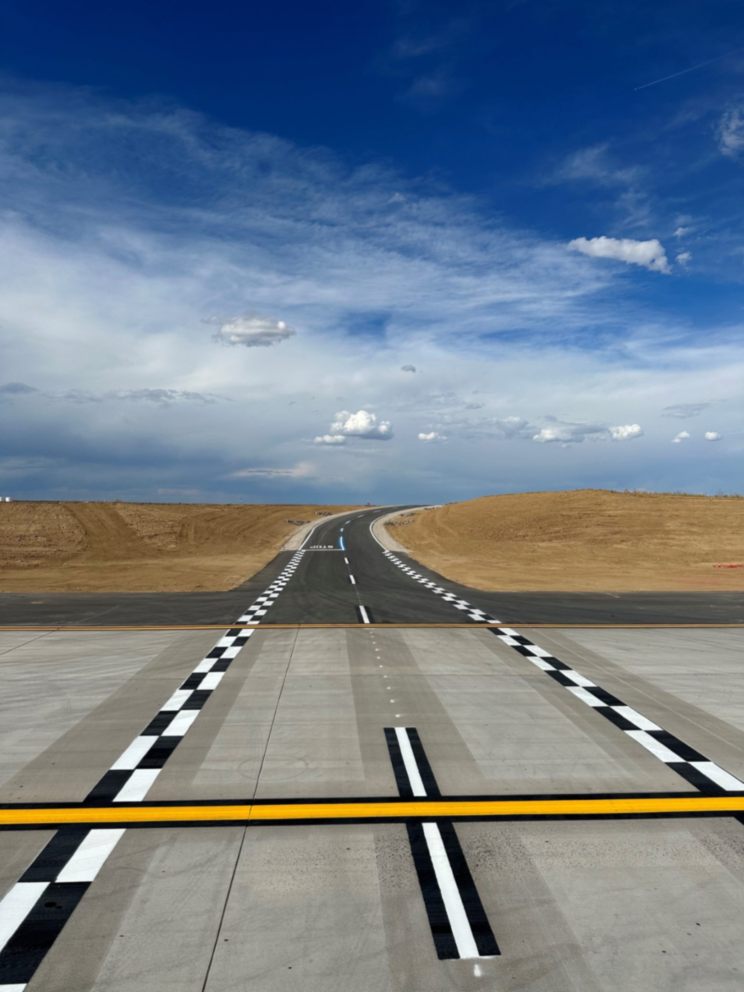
[371, 807]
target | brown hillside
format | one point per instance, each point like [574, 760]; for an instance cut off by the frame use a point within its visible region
[140, 547]
[586, 540]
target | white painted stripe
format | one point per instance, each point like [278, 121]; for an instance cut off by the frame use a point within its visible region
[718, 775]
[544, 665]
[232, 652]
[578, 678]
[205, 665]
[211, 681]
[176, 701]
[134, 754]
[586, 697]
[180, 723]
[651, 744]
[458, 918]
[409, 762]
[16, 906]
[346, 560]
[635, 717]
[540, 652]
[364, 615]
[88, 860]
[12, 988]
[137, 785]
[352, 579]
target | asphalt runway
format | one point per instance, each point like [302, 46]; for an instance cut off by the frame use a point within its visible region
[321, 593]
[371, 807]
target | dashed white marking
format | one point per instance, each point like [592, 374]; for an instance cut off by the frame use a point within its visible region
[180, 723]
[718, 775]
[364, 615]
[138, 784]
[352, 579]
[655, 747]
[177, 700]
[88, 860]
[16, 906]
[133, 754]
[642, 722]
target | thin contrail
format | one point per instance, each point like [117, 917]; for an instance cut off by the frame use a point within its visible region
[683, 72]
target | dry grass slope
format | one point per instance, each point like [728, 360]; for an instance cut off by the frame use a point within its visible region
[585, 540]
[140, 547]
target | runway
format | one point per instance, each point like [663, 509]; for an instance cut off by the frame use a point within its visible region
[322, 593]
[371, 807]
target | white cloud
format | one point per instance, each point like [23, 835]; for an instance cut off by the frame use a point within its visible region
[731, 132]
[567, 433]
[626, 432]
[302, 470]
[681, 231]
[682, 436]
[361, 424]
[683, 258]
[712, 436]
[408, 368]
[252, 331]
[649, 254]
[330, 439]
[431, 436]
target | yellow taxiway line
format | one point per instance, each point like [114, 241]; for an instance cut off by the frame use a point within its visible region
[342, 810]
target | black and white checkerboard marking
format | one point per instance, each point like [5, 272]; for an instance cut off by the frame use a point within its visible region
[705, 775]
[458, 921]
[36, 909]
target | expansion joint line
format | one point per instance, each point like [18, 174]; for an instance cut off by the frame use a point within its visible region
[36, 909]
[458, 921]
[686, 761]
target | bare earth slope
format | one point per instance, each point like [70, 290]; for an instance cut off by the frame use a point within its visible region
[140, 547]
[585, 540]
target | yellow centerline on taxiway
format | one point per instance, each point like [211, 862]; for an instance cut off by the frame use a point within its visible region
[343, 810]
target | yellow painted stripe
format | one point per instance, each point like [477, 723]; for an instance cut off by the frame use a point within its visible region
[385, 809]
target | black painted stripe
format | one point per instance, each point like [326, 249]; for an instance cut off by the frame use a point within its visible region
[52, 859]
[399, 769]
[26, 949]
[424, 768]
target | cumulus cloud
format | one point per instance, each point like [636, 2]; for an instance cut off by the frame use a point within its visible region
[648, 254]
[712, 436]
[408, 368]
[682, 436]
[683, 258]
[684, 410]
[361, 424]
[253, 331]
[626, 432]
[431, 436]
[731, 132]
[565, 432]
[299, 471]
[681, 231]
[330, 439]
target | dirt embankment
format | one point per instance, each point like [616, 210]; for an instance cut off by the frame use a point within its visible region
[141, 547]
[585, 540]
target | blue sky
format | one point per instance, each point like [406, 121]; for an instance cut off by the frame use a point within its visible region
[394, 251]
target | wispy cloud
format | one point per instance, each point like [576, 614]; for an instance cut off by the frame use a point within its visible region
[253, 331]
